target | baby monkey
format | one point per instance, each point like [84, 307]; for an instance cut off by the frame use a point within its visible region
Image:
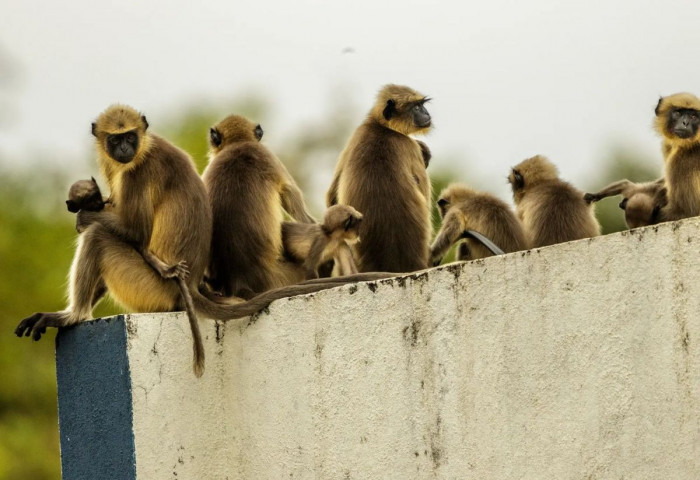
[315, 244]
[642, 202]
[463, 209]
[85, 195]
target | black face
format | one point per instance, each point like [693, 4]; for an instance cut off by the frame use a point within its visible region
[683, 122]
[351, 222]
[443, 205]
[123, 146]
[421, 117]
[516, 180]
[214, 137]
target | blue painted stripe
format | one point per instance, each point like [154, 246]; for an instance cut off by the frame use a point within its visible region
[94, 401]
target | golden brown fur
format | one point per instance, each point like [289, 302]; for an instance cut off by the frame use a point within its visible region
[551, 210]
[463, 209]
[641, 202]
[314, 244]
[381, 172]
[249, 190]
[681, 159]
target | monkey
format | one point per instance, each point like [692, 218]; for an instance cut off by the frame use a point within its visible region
[641, 202]
[249, 190]
[314, 244]
[677, 120]
[550, 209]
[158, 200]
[382, 173]
[425, 152]
[85, 195]
[462, 208]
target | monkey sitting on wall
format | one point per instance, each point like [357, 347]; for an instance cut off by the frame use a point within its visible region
[642, 202]
[312, 244]
[249, 190]
[462, 208]
[677, 121]
[85, 195]
[551, 210]
[382, 173]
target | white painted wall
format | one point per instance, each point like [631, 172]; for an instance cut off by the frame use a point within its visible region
[578, 361]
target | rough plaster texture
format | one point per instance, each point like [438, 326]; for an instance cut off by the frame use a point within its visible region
[577, 361]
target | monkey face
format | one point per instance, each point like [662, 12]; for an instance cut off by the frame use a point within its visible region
[122, 147]
[516, 180]
[683, 122]
[421, 117]
[443, 206]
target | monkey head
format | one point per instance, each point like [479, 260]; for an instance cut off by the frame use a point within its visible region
[402, 109]
[120, 132]
[232, 129]
[529, 173]
[85, 195]
[344, 221]
[641, 210]
[678, 118]
[452, 195]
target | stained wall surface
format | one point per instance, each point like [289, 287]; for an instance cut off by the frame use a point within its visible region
[576, 361]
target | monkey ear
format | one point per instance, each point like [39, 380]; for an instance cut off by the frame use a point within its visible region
[145, 122]
[258, 132]
[214, 137]
[389, 110]
[658, 106]
[94, 129]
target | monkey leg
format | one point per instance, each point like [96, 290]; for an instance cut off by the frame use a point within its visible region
[85, 287]
[178, 270]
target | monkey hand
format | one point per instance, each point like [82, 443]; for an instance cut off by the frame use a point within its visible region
[179, 270]
[84, 219]
[590, 197]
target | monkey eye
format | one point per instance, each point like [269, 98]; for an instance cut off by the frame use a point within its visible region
[131, 137]
[675, 114]
[215, 137]
[113, 140]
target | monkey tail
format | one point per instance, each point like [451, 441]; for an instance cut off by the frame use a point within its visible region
[197, 344]
[493, 248]
[219, 311]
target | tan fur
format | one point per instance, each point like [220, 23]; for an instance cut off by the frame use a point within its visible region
[466, 209]
[313, 244]
[681, 160]
[551, 210]
[249, 190]
[381, 172]
[641, 201]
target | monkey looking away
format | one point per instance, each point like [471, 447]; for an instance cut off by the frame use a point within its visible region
[85, 195]
[249, 190]
[641, 202]
[462, 208]
[314, 244]
[677, 121]
[551, 210]
[382, 173]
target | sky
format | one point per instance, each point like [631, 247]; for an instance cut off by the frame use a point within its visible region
[509, 79]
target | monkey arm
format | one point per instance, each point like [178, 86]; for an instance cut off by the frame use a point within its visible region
[425, 151]
[344, 259]
[452, 228]
[293, 203]
[615, 188]
[314, 258]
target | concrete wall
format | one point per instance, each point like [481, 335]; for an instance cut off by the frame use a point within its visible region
[577, 361]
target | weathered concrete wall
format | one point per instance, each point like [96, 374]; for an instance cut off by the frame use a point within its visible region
[578, 361]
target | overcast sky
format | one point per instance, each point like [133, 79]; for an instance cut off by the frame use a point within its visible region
[509, 79]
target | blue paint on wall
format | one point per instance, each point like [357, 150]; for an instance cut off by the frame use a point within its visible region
[94, 401]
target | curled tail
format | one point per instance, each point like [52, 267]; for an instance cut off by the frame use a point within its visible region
[220, 311]
[197, 344]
